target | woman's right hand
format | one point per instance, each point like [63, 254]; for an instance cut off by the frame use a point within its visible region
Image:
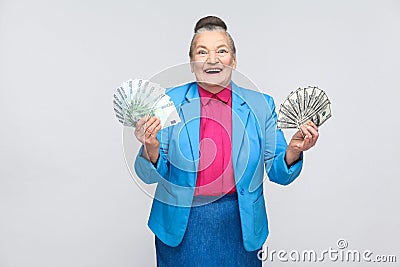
[146, 132]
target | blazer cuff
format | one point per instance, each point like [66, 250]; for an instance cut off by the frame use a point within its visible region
[286, 175]
[145, 169]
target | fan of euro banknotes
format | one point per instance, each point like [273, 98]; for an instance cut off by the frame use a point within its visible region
[137, 98]
[310, 103]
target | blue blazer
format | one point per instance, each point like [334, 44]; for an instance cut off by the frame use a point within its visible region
[258, 147]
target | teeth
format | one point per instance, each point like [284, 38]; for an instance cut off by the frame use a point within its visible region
[213, 70]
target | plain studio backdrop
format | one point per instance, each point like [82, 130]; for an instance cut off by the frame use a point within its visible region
[66, 195]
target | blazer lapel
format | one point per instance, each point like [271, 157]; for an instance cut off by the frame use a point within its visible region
[191, 120]
[240, 114]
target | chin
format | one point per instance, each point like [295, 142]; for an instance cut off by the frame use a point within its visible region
[214, 80]
[214, 83]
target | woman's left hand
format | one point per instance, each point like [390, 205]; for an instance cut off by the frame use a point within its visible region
[304, 139]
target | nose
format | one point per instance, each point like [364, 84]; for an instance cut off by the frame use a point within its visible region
[212, 57]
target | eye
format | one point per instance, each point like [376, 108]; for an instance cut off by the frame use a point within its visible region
[202, 52]
[222, 51]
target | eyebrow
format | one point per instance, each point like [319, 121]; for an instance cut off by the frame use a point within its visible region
[218, 46]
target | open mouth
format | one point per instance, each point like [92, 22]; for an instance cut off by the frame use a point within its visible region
[213, 70]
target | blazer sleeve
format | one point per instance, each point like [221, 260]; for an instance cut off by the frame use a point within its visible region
[153, 173]
[274, 155]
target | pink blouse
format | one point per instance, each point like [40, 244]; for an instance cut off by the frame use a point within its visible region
[215, 173]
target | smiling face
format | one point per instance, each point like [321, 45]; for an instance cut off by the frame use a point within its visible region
[212, 60]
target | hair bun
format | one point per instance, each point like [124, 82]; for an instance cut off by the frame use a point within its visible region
[209, 22]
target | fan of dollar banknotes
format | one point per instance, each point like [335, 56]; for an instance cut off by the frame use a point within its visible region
[137, 98]
[310, 103]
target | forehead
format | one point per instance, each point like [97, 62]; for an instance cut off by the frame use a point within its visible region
[211, 39]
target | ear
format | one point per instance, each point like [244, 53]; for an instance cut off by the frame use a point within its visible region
[234, 63]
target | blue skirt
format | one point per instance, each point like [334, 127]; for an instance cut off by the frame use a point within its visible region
[213, 237]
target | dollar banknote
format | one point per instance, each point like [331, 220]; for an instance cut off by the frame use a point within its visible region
[303, 104]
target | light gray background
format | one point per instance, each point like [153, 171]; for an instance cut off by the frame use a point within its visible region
[66, 196]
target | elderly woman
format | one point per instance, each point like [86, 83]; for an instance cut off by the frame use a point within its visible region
[209, 207]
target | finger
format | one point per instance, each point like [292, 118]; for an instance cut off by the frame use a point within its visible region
[141, 126]
[306, 132]
[307, 143]
[153, 126]
[312, 124]
[314, 138]
[149, 127]
[142, 121]
[313, 132]
[156, 130]
[300, 132]
[149, 123]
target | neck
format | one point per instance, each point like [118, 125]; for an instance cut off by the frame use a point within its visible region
[212, 88]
